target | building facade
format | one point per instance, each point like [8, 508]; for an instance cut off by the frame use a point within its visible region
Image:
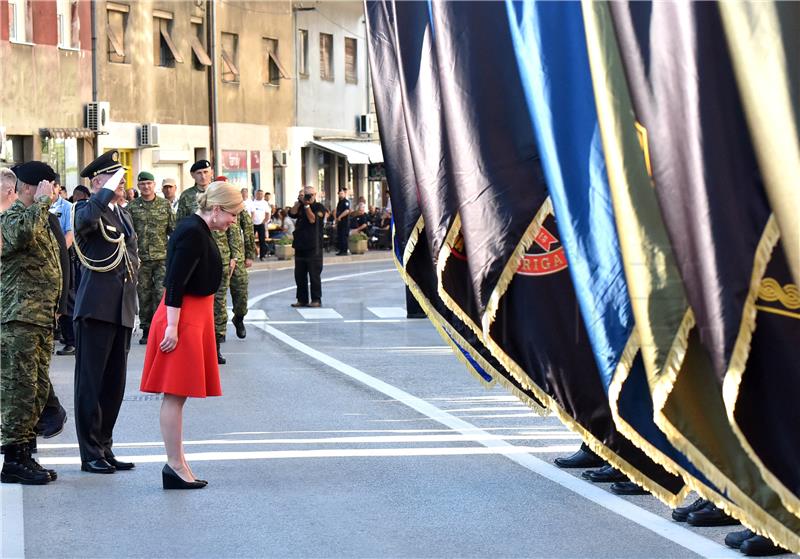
[46, 57]
[275, 93]
[334, 142]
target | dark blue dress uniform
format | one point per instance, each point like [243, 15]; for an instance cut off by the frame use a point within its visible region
[105, 309]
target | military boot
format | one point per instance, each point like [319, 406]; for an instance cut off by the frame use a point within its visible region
[16, 468]
[34, 464]
[238, 322]
[220, 358]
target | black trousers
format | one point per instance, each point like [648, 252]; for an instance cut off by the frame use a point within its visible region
[342, 232]
[261, 232]
[308, 269]
[101, 361]
[67, 331]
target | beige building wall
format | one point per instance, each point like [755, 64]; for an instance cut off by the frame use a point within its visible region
[253, 111]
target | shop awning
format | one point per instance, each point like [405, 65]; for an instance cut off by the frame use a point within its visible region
[356, 152]
[66, 133]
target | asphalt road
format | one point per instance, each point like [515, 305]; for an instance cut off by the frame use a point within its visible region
[352, 432]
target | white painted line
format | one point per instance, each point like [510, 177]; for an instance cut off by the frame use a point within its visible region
[258, 298]
[388, 312]
[12, 524]
[319, 314]
[661, 526]
[447, 437]
[326, 453]
[255, 314]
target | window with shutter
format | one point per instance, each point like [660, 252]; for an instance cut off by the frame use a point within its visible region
[350, 60]
[326, 56]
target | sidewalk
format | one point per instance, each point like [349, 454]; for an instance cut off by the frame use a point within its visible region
[271, 262]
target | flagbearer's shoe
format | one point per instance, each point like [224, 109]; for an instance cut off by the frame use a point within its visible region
[606, 474]
[99, 466]
[143, 339]
[583, 458]
[736, 539]
[50, 423]
[627, 488]
[17, 469]
[298, 304]
[759, 546]
[66, 350]
[681, 513]
[119, 464]
[241, 331]
[315, 304]
[710, 515]
[220, 358]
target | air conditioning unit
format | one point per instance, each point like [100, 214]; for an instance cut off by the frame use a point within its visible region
[148, 135]
[98, 115]
[279, 157]
[365, 124]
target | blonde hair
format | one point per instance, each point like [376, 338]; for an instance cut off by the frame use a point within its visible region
[7, 178]
[222, 194]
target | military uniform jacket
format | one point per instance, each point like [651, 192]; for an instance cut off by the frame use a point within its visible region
[30, 274]
[107, 296]
[228, 242]
[153, 222]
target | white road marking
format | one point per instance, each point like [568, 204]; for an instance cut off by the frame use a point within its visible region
[326, 453]
[255, 314]
[661, 526]
[12, 525]
[447, 437]
[319, 314]
[388, 312]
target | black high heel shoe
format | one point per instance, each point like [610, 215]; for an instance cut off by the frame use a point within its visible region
[171, 480]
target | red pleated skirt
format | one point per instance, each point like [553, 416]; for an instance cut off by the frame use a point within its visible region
[191, 368]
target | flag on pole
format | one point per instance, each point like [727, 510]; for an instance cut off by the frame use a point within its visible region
[726, 243]
[411, 244]
[550, 47]
[763, 41]
[528, 308]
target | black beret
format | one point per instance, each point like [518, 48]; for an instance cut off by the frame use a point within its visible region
[81, 188]
[106, 163]
[202, 164]
[33, 172]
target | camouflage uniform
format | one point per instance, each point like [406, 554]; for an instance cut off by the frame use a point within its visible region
[239, 279]
[229, 244]
[153, 222]
[30, 286]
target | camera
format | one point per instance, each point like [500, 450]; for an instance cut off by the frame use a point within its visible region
[307, 197]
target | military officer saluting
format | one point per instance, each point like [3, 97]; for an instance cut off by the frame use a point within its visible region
[30, 285]
[105, 309]
[153, 221]
[229, 243]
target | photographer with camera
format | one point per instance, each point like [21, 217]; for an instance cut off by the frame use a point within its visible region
[310, 216]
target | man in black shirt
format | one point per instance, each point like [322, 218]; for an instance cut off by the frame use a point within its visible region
[342, 218]
[310, 216]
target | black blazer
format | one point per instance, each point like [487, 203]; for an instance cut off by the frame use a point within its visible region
[107, 296]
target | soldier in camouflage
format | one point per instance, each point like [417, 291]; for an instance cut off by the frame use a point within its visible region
[153, 221]
[228, 242]
[239, 280]
[30, 286]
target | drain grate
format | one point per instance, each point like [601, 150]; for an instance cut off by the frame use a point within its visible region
[143, 398]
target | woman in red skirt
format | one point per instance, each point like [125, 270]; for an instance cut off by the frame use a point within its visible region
[181, 358]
